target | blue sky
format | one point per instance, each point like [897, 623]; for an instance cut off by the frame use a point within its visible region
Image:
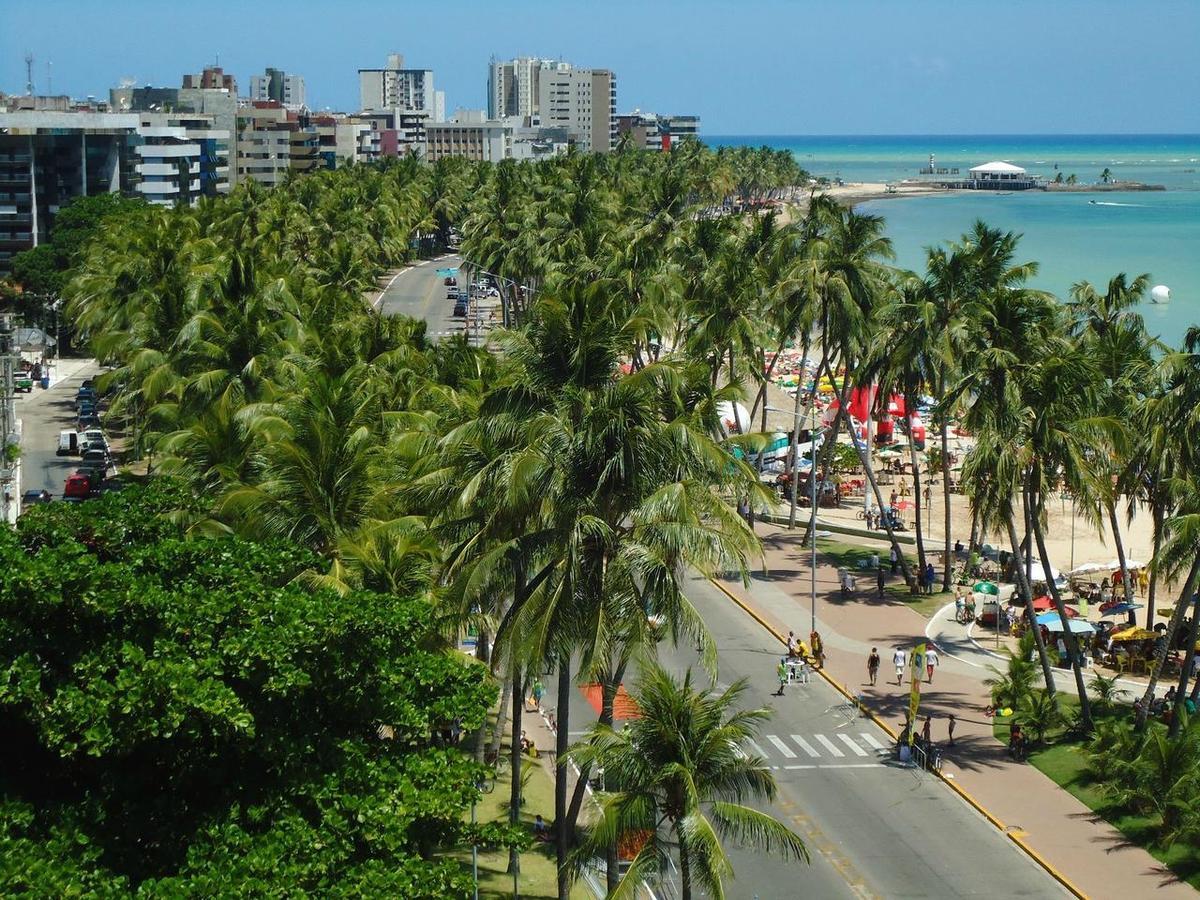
[750, 67]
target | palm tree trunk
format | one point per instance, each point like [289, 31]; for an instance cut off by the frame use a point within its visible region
[562, 837]
[767, 373]
[502, 717]
[1072, 641]
[864, 456]
[1157, 512]
[1185, 672]
[483, 654]
[514, 769]
[916, 467]
[1185, 601]
[1026, 592]
[795, 456]
[685, 872]
[1116, 530]
[946, 580]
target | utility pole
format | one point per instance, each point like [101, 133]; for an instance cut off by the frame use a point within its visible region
[29, 73]
[8, 418]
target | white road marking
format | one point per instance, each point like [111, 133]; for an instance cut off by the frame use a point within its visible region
[870, 739]
[849, 742]
[805, 746]
[783, 748]
[828, 745]
[757, 749]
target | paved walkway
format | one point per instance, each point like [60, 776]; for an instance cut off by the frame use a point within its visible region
[1084, 848]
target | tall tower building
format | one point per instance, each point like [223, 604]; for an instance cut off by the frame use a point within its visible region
[275, 84]
[582, 101]
[514, 85]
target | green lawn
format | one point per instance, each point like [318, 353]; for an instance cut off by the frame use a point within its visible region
[538, 869]
[1065, 763]
[840, 553]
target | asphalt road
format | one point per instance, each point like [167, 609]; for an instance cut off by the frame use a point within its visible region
[419, 293]
[43, 414]
[873, 827]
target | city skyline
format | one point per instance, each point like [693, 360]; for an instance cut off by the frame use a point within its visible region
[941, 69]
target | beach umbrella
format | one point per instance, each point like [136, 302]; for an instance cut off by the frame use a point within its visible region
[1089, 568]
[1043, 603]
[1120, 609]
[1134, 634]
[986, 587]
[1115, 564]
[1053, 624]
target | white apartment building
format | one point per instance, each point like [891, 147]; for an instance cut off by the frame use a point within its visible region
[471, 135]
[408, 95]
[582, 101]
[180, 158]
[285, 89]
[514, 85]
[274, 143]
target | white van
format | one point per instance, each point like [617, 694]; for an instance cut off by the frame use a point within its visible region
[68, 443]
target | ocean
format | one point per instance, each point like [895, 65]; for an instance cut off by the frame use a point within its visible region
[1071, 238]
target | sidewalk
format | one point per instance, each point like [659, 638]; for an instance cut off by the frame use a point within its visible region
[1085, 849]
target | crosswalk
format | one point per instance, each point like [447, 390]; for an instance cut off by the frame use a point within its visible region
[818, 751]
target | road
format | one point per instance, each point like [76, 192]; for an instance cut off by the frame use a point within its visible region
[873, 827]
[43, 414]
[419, 292]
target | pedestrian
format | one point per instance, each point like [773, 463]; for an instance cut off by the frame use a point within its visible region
[893, 503]
[895, 560]
[925, 729]
[931, 663]
[920, 580]
[879, 580]
[899, 659]
[930, 577]
[875, 560]
[539, 691]
[781, 671]
[791, 644]
[873, 665]
[950, 720]
[959, 605]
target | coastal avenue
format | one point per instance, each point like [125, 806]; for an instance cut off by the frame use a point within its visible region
[420, 294]
[873, 828]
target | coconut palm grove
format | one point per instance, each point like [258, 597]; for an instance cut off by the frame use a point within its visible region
[243, 672]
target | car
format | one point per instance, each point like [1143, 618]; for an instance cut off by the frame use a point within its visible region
[68, 443]
[78, 487]
[30, 498]
[93, 437]
[95, 476]
[460, 308]
[22, 382]
[448, 280]
[89, 421]
[452, 294]
[95, 456]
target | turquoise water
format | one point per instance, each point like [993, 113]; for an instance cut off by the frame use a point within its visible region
[1071, 238]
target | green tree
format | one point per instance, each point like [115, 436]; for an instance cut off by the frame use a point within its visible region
[678, 774]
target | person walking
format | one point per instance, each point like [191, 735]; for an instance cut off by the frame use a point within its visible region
[818, 649]
[539, 691]
[925, 731]
[873, 665]
[930, 577]
[931, 663]
[895, 560]
[781, 671]
[899, 660]
[950, 722]
[879, 580]
[920, 580]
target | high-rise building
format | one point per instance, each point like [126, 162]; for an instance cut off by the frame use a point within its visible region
[275, 84]
[407, 95]
[513, 85]
[648, 131]
[212, 78]
[584, 102]
[274, 143]
[49, 158]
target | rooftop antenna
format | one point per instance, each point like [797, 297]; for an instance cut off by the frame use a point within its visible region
[28, 73]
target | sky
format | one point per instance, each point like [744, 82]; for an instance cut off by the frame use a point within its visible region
[749, 67]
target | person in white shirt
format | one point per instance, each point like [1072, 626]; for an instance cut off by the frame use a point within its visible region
[931, 663]
[899, 660]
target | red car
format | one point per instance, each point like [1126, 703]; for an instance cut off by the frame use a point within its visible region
[78, 487]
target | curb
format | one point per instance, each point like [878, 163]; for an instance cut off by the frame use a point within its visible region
[1033, 854]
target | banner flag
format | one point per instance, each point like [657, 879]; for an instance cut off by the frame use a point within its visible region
[916, 673]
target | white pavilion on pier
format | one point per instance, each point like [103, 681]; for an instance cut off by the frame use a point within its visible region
[1001, 176]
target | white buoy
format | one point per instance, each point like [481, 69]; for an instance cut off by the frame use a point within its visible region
[1160, 293]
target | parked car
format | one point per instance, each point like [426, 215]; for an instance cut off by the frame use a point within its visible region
[95, 474]
[22, 382]
[30, 498]
[95, 456]
[78, 486]
[460, 308]
[93, 438]
[91, 420]
[68, 443]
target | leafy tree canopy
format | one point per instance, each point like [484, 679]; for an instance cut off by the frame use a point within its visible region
[184, 717]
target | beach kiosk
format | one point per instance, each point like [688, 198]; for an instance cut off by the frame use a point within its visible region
[1000, 176]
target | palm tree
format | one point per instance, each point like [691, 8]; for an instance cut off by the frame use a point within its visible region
[1106, 175]
[678, 775]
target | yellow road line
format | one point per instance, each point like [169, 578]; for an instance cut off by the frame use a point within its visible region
[1016, 836]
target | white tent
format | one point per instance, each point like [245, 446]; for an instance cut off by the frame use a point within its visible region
[1036, 574]
[997, 168]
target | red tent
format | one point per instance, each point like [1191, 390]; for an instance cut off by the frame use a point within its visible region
[1044, 604]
